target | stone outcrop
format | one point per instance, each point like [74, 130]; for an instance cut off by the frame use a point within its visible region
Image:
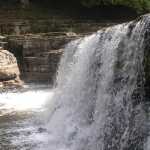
[38, 55]
[19, 27]
[9, 71]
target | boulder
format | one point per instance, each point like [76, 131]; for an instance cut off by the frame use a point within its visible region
[9, 71]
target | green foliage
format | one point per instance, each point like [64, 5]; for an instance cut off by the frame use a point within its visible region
[138, 5]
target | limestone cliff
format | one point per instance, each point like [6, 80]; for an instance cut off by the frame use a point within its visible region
[38, 55]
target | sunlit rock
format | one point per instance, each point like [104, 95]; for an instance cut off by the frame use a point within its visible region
[9, 71]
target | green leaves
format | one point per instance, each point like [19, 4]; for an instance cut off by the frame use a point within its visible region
[139, 5]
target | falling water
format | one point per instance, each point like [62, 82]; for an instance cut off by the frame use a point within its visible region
[98, 102]
[99, 98]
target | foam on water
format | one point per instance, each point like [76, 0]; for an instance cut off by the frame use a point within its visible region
[25, 101]
[22, 126]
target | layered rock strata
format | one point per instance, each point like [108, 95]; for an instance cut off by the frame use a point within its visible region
[39, 55]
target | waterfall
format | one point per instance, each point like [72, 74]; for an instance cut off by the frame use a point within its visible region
[99, 97]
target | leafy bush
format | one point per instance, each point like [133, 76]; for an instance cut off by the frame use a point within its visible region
[138, 5]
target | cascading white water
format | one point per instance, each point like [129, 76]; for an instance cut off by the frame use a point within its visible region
[98, 103]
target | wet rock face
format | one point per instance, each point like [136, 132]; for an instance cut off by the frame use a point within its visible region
[9, 71]
[39, 55]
